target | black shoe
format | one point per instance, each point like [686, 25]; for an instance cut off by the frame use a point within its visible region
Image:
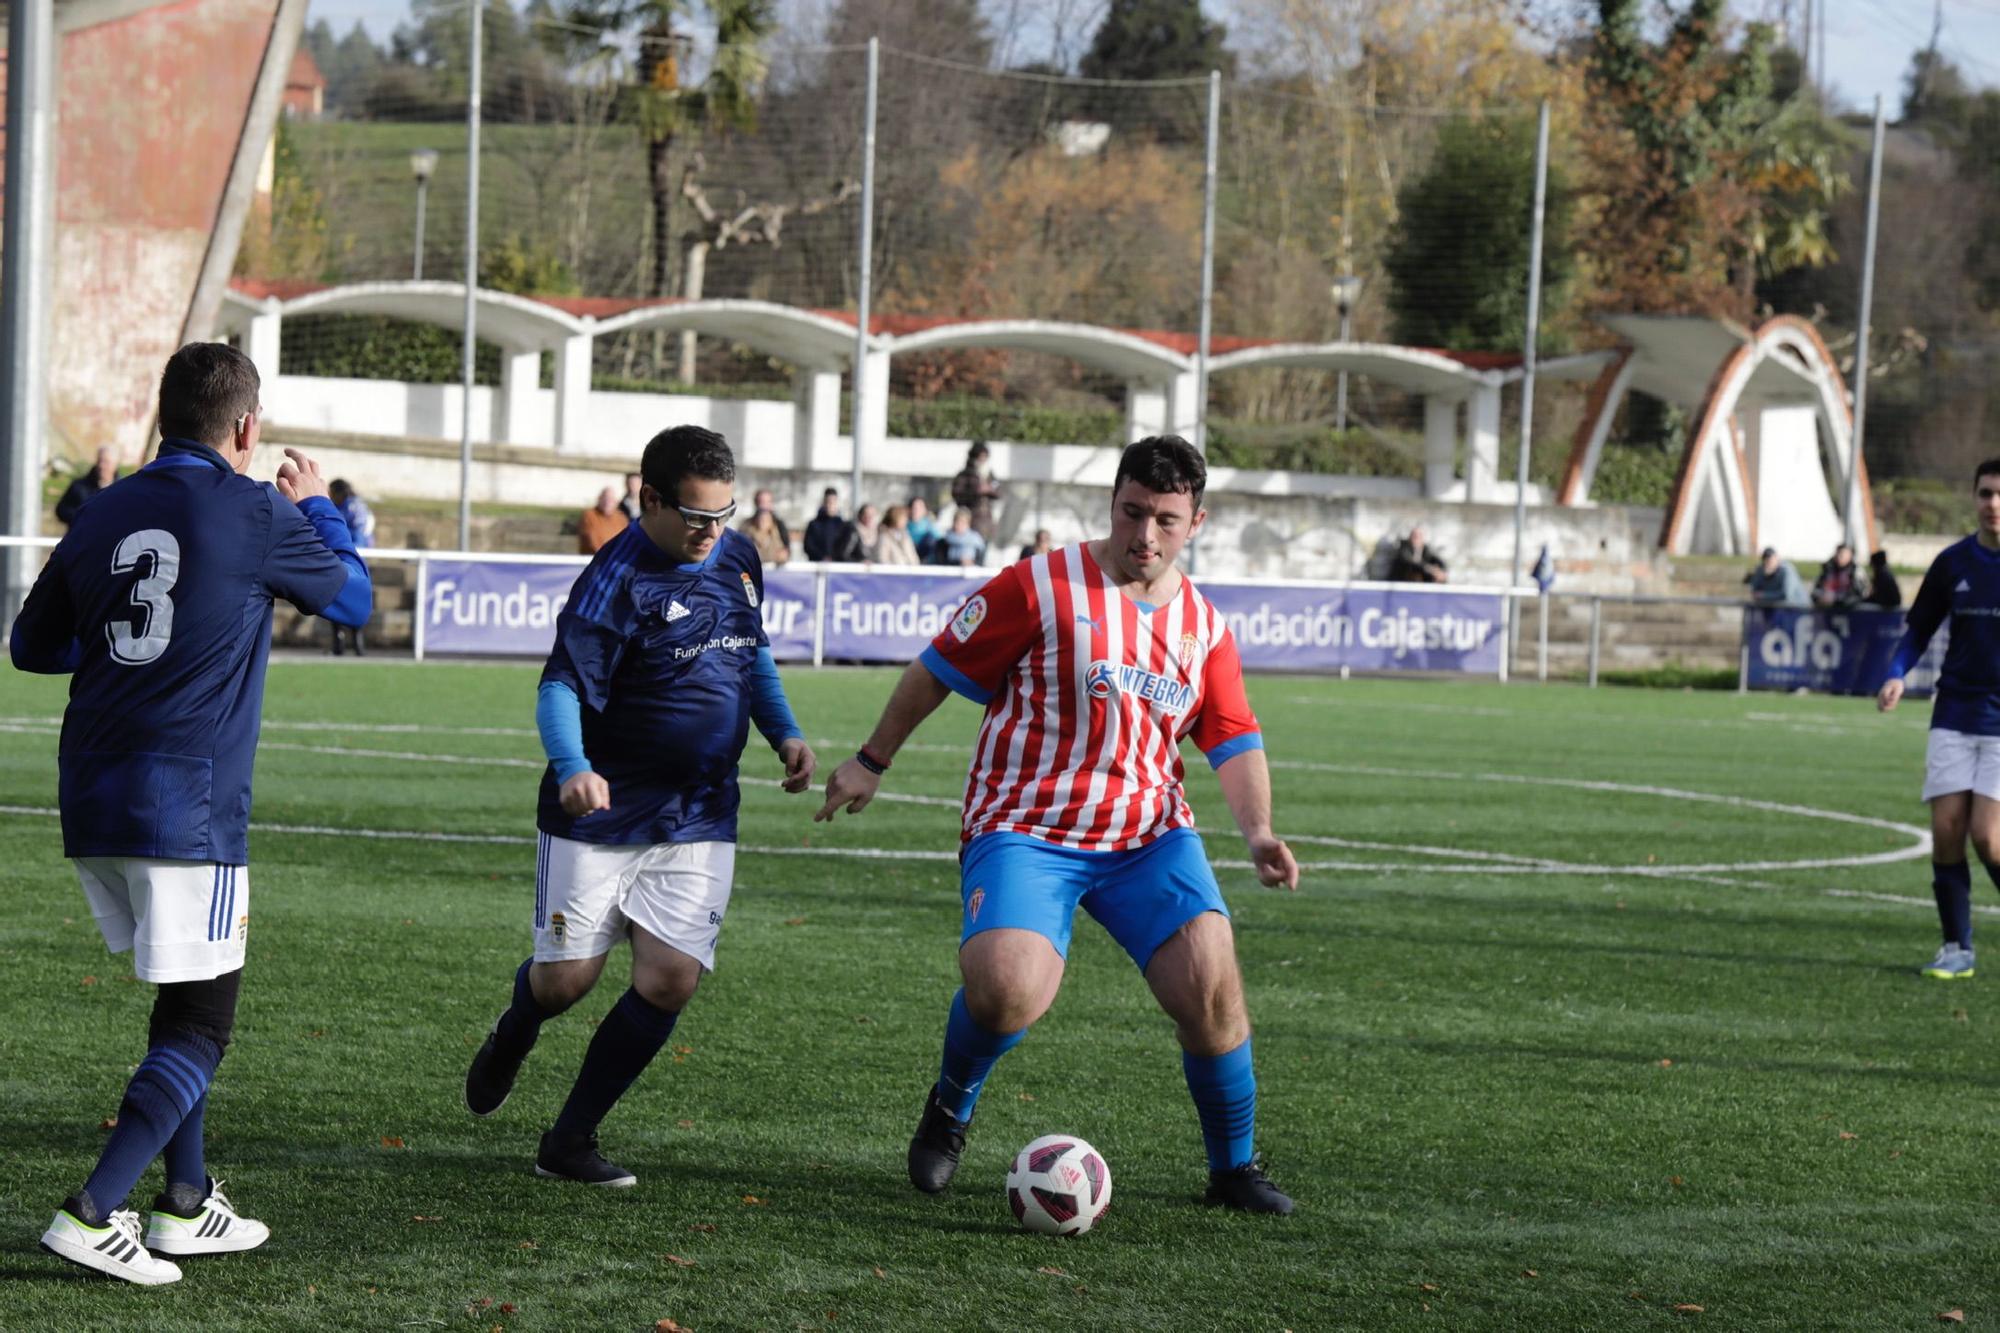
[579, 1160]
[1247, 1188]
[491, 1077]
[935, 1149]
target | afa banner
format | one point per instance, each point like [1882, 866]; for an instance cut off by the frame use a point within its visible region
[889, 617]
[1296, 628]
[493, 608]
[1832, 652]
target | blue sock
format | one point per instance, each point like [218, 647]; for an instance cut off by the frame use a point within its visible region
[522, 1022]
[969, 1055]
[183, 1155]
[626, 1042]
[1952, 883]
[1224, 1089]
[170, 1083]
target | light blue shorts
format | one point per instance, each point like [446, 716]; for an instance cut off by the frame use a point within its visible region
[1142, 896]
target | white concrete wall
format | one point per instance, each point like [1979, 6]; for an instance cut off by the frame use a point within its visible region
[1794, 511]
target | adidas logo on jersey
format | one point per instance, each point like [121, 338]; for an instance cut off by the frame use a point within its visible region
[1963, 586]
[675, 611]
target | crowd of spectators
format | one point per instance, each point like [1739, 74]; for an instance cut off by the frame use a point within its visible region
[1842, 584]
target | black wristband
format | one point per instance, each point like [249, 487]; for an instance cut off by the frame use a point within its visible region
[870, 762]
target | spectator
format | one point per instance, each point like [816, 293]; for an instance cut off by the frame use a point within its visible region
[963, 546]
[1883, 590]
[1775, 583]
[1838, 586]
[1416, 561]
[893, 546]
[600, 523]
[630, 506]
[361, 525]
[867, 530]
[974, 490]
[829, 536]
[767, 530]
[102, 473]
[923, 528]
[1044, 543]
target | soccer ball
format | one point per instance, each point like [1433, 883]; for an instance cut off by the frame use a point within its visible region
[1058, 1185]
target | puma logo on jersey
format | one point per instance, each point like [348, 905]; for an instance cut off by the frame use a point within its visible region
[675, 611]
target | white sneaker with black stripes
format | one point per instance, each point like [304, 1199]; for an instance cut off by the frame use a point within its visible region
[211, 1227]
[111, 1247]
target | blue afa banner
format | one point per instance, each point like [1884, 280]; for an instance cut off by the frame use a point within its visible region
[1831, 652]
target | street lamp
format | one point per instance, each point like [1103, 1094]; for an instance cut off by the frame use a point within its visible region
[423, 161]
[1346, 291]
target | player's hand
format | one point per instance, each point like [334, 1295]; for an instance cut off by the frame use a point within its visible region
[585, 793]
[799, 764]
[851, 786]
[1890, 694]
[1274, 861]
[299, 478]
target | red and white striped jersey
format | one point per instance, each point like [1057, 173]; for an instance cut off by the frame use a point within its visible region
[1088, 697]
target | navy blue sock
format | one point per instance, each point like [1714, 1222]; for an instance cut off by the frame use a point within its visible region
[969, 1055]
[170, 1083]
[522, 1023]
[1225, 1098]
[626, 1042]
[1952, 883]
[183, 1155]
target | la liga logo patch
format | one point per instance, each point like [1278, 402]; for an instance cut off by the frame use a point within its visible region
[969, 618]
[749, 589]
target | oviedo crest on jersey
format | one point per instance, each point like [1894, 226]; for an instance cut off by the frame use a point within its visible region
[749, 590]
[969, 618]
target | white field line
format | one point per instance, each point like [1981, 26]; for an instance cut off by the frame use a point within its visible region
[1443, 710]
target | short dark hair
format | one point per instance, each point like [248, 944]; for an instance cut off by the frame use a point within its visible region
[205, 390]
[977, 452]
[1990, 468]
[830, 493]
[1164, 464]
[685, 451]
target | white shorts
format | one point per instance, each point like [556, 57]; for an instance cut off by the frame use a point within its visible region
[588, 895]
[182, 920]
[1955, 761]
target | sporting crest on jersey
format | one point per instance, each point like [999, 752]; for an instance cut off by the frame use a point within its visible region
[969, 618]
[1190, 645]
[750, 589]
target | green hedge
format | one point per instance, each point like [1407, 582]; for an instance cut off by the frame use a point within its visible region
[376, 347]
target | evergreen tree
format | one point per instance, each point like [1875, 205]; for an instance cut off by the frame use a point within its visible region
[1155, 39]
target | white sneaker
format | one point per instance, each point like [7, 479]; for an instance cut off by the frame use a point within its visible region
[214, 1228]
[113, 1248]
[1951, 964]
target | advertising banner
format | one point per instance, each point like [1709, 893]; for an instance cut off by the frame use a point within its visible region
[788, 612]
[1831, 652]
[1294, 628]
[871, 617]
[491, 608]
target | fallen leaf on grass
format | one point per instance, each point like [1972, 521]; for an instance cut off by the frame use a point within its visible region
[527, 1245]
[1529, 1272]
[1894, 1155]
[753, 1200]
[1666, 1064]
[678, 1262]
[1688, 1309]
[683, 1050]
[1960, 1016]
[311, 1290]
[1427, 1286]
[507, 1307]
[685, 1124]
[1027, 1096]
[669, 1326]
[1635, 1295]
[1051, 1270]
[701, 1226]
[795, 921]
[1675, 1181]
[1952, 1317]
[419, 1217]
[880, 1273]
[109, 1122]
[393, 1141]
[90, 981]
[1845, 1135]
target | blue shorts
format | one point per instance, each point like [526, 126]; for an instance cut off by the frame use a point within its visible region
[1142, 896]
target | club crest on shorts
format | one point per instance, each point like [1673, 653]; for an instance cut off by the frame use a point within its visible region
[749, 589]
[969, 618]
[558, 927]
[974, 902]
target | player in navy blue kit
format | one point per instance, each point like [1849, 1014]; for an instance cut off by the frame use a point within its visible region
[1962, 763]
[659, 668]
[158, 604]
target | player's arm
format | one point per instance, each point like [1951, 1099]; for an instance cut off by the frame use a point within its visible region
[1927, 612]
[773, 716]
[1227, 732]
[44, 639]
[312, 562]
[578, 674]
[559, 719]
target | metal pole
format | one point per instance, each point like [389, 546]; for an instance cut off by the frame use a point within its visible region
[1207, 264]
[423, 607]
[471, 283]
[1340, 392]
[24, 289]
[1854, 520]
[417, 265]
[1542, 640]
[1533, 332]
[1596, 632]
[866, 278]
[1743, 654]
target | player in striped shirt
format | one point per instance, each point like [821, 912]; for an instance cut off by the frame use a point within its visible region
[1094, 663]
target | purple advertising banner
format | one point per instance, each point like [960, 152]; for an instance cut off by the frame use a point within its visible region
[1292, 628]
[889, 617]
[788, 613]
[491, 608]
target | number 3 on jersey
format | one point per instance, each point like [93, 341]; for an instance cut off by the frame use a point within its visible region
[140, 644]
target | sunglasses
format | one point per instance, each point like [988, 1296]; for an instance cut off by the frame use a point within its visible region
[704, 518]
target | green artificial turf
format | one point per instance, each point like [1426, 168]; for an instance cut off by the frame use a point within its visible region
[1506, 1095]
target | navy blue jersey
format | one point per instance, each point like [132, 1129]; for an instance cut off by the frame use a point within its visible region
[660, 656]
[1963, 583]
[159, 600]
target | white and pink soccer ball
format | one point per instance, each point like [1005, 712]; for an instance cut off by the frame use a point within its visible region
[1059, 1185]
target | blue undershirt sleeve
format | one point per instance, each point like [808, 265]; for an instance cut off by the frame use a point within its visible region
[768, 708]
[355, 601]
[559, 717]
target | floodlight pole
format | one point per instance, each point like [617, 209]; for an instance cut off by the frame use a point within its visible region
[423, 162]
[1207, 264]
[471, 345]
[24, 284]
[1853, 520]
[1529, 338]
[866, 276]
